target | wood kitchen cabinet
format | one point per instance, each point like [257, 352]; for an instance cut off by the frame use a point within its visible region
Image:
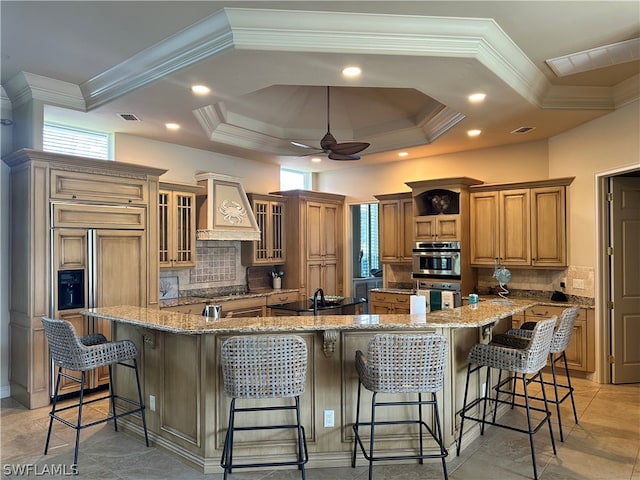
[314, 239]
[269, 211]
[396, 227]
[581, 349]
[438, 227]
[177, 224]
[92, 194]
[382, 303]
[519, 224]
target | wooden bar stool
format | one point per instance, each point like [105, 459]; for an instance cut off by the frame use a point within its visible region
[82, 355]
[261, 367]
[559, 343]
[403, 363]
[523, 356]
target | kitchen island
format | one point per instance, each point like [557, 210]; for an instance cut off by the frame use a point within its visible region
[187, 416]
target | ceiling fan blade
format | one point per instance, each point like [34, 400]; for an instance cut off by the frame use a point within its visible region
[349, 148]
[339, 156]
[302, 145]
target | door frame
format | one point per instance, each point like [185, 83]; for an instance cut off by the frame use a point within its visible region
[603, 282]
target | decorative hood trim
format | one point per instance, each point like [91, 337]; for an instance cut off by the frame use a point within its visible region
[224, 211]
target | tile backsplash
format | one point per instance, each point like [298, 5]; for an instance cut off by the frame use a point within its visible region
[218, 269]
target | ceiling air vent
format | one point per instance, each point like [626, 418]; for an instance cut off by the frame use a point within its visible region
[523, 130]
[129, 117]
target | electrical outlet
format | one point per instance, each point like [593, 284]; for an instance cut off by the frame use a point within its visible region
[484, 389]
[578, 283]
[152, 403]
[563, 284]
[328, 418]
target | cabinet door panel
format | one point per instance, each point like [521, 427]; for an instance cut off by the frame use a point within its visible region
[407, 229]
[514, 227]
[448, 228]
[314, 231]
[314, 277]
[389, 235]
[330, 228]
[330, 279]
[485, 228]
[548, 243]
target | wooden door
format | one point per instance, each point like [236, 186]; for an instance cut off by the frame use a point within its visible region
[548, 230]
[315, 232]
[314, 277]
[330, 229]
[625, 278]
[275, 227]
[448, 228]
[515, 212]
[330, 278]
[120, 268]
[484, 225]
[425, 227]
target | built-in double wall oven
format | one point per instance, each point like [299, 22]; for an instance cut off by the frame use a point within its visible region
[439, 260]
[436, 267]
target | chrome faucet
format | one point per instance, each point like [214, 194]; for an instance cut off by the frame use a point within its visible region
[315, 301]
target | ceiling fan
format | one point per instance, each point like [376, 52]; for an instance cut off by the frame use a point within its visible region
[330, 146]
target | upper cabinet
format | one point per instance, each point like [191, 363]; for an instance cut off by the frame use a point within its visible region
[395, 217]
[269, 211]
[520, 224]
[177, 224]
[438, 227]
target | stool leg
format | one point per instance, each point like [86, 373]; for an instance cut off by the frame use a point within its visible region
[526, 404]
[484, 401]
[373, 420]
[440, 438]
[420, 426]
[546, 408]
[53, 410]
[557, 397]
[141, 400]
[566, 369]
[495, 403]
[356, 426]
[79, 424]
[228, 441]
[300, 439]
[113, 399]
[464, 405]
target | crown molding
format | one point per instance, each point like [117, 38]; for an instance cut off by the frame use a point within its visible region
[25, 87]
[627, 91]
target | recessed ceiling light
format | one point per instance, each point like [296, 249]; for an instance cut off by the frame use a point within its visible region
[477, 97]
[316, 159]
[172, 126]
[403, 154]
[474, 133]
[351, 71]
[200, 89]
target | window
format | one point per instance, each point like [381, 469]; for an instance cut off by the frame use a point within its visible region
[294, 180]
[366, 254]
[75, 141]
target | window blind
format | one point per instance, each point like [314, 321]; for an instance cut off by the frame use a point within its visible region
[75, 141]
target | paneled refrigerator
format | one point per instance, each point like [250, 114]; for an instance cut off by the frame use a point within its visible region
[97, 267]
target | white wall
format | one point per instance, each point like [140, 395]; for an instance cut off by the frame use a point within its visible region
[513, 163]
[183, 163]
[601, 145]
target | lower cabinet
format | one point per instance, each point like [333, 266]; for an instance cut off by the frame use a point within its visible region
[581, 349]
[389, 303]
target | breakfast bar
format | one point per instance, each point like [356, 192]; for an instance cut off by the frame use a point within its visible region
[183, 389]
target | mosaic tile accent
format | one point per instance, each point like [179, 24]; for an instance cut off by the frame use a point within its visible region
[214, 263]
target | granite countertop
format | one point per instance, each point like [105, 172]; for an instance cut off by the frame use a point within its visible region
[174, 302]
[539, 297]
[480, 315]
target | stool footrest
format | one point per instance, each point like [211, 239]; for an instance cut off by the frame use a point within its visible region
[479, 400]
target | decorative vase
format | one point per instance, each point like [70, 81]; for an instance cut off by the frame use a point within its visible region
[277, 282]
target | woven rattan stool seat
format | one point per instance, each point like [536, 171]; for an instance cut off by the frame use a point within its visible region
[83, 354]
[264, 367]
[402, 364]
[523, 356]
[559, 344]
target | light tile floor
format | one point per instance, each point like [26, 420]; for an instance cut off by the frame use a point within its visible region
[604, 445]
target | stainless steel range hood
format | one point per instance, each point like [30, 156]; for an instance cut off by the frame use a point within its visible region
[224, 211]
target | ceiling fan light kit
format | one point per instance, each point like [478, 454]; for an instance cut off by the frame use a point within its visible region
[329, 145]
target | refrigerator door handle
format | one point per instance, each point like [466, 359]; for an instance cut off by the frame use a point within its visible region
[91, 267]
